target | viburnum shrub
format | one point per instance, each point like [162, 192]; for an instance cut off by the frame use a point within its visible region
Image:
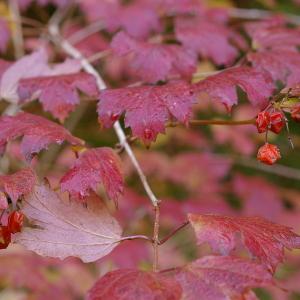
[162, 104]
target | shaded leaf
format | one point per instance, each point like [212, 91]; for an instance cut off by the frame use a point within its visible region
[264, 239]
[94, 166]
[283, 65]
[221, 278]
[128, 284]
[18, 184]
[62, 229]
[209, 39]
[4, 35]
[147, 108]
[222, 87]
[58, 94]
[154, 62]
[37, 133]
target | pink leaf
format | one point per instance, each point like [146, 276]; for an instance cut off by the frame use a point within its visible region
[264, 240]
[62, 229]
[4, 35]
[154, 62]
[147, 108]
[18, 184]
[283, 65]
[221, 278]
[128, 284]
[211, 40]
[58, 94]
[222, 87]
[37, 133]
[94, 166]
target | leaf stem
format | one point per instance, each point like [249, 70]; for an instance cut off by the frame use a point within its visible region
[172, 233]
[73, 52]
[136, 237]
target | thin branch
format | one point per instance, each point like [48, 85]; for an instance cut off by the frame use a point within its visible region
[73, 52]
[254, 14]
[214, 122]
[156, 238]
[17, 30]
[172, 233]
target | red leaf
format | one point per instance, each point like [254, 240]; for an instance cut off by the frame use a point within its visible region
[18, 184]
[265, 240]
[127, 284]
[222, 86]
[62, 228]
[94, 166]
[221, 278]
[283, 65]
[37, 133]
[147, 108]
[58, 94]
[154, 62]
[211, 40]
[175, 7]
[4, 35]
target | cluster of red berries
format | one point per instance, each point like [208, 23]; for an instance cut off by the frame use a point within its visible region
[14, 225]
[273, 121]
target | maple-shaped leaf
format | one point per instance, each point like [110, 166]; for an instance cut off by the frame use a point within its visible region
[38, 133]
[58, 94]
[94, 166]
[209, 39]
[127, 284]
[221, 278]
[264, 239]
[62, 228]
[222, 86]
[18, 184]
[283, 65]
[154, 62]
[32, 65]
[4, 35]
[147, 108]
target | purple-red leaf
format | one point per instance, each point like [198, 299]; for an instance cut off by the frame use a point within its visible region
[18, 184]
[129, 284]
[58, 94]
[209, 39]
[222, 87]
[221, 278]
[154, 62]
[264, 239]
[37, 133]
[62, 228]
[4, 35]
[147, 108]
[95, 166]
[283, 65]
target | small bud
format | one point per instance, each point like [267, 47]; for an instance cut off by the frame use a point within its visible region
[262, 121]
[277, 122]
[268, 154]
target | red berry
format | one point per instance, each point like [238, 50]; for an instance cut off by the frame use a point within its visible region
[295, 113]
[262, 121]
[15, 221]
[5, 237]
[114, 117]
[277, 121]
[268, 154]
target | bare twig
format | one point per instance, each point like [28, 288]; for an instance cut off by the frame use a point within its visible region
[73, 52]
[156, 238]
[254, 14]
[17, 29]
